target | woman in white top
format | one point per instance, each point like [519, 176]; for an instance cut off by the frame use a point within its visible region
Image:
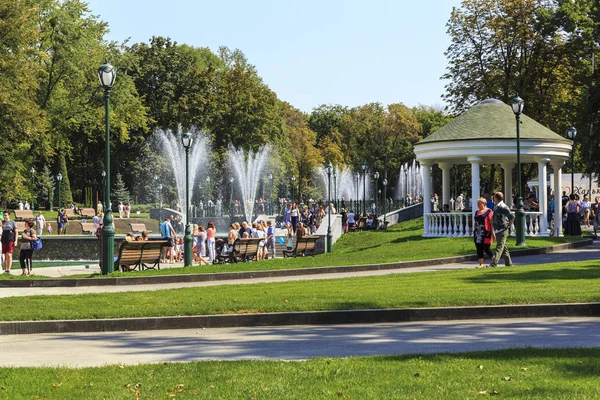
[585, 208]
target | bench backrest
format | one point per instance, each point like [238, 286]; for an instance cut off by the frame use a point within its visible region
[87, 227]
[246, 247]
[23, 214]
[69, 212]
[88, 212]
[306, 244]
[137, 227]
[149, 251]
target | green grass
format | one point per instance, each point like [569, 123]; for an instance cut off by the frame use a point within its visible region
[549, 283]
[402, 242]
[524, 373]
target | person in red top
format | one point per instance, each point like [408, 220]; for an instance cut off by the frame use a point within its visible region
[482, 230]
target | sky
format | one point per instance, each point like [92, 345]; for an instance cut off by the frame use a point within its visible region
[308, 52]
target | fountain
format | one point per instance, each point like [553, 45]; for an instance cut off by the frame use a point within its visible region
[410, 181]
[346, 185]
[171, 146]
[247, 170]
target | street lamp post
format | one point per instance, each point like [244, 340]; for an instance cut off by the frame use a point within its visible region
[384, 202]
[32, 170]
[59, 179]
[206, 212]
[517, 106]
[376, 176]
[293, 183]
[107, 74]
[335, 198]
[406, 186]
[160, 188]
[270, 203]
[572, 132]
[357, 175]
[231, 214]
[364, 169]
[329, 236]
[104, 202]
[186, 140]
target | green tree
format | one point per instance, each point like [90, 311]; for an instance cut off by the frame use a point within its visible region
[120, 192]
[46, 182]
[66, 197]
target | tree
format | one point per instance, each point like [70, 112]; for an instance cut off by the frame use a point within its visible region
[46, 182]
[66, 197]
[120, 192]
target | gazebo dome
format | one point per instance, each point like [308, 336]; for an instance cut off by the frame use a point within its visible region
[492, 119]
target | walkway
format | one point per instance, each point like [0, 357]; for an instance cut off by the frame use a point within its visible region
[294, 342]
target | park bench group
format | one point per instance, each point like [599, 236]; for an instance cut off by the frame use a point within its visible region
[246, 249]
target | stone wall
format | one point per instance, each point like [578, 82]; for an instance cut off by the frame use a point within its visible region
[65, 248]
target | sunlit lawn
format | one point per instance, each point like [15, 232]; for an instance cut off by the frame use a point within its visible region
[524, 374]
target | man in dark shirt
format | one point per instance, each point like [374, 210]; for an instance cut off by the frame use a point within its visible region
[501, 221]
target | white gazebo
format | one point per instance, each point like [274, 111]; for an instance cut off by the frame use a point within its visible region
[486, 134]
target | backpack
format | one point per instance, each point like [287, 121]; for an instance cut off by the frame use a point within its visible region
[36, 244]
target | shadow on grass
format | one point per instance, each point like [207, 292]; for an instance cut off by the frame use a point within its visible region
[524, 275]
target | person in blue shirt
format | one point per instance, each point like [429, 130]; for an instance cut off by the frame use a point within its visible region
[168, 233]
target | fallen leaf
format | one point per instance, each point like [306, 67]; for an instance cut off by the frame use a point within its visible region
[57, 385]
[523, 369]
[137, 385]
[494, 393]
[480, 366]
[340, 394]
[507, 378]
[417, 374]
[483, 393]
[579, 362]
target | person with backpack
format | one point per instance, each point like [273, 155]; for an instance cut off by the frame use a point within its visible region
[26, 253]
[168, 233]
[482, 230]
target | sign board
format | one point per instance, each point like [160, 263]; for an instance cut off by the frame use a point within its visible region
[581, 185]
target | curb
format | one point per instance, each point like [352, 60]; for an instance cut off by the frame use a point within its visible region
[224, 276]
[303, 318]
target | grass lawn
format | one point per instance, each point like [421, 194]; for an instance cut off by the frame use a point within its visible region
[524, 373]
[569, 282]
[402, 242]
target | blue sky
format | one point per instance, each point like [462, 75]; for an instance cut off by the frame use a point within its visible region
[309, 52]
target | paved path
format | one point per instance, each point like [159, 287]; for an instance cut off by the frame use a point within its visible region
[294, 342]
[591, 252]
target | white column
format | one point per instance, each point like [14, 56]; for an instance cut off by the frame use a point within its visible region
[445, 167]
[508, 194]
[426, 171]
[543, 198]
[557, 164]
[475, 181]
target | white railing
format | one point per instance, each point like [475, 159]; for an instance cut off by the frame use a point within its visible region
[457, 224]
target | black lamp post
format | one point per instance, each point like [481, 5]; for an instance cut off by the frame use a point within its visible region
[160, 188]
[186, 140]
[293, 183]
[384, 202]
[329, 236]
[270, 203]
[231, 213]
[406, 186]
[364, 169]
[357, 175]
[376, 196]
[59, 179]
[517, 106]
[572, 132]
[335, 198]
[32, 170]
[107, 74]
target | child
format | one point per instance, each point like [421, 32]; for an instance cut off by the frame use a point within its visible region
[49, 229]
[290, 243]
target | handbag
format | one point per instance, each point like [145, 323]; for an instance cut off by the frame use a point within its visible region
[36, 244]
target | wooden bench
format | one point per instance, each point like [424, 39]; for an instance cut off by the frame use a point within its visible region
[87, 227]
[140, 255]
[87, 212]
[70, 213]
[20, 226]
[138, 227]
[23, 214]
[243, 250]
[305, 246]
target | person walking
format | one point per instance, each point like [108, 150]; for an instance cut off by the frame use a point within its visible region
[482, 230]
[40, 223]
[9, 240]
[26, 252]
[168, 233]
[502, 219]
